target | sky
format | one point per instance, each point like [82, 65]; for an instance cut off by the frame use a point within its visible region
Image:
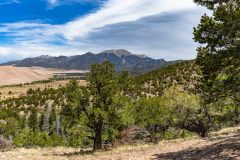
[156, 28]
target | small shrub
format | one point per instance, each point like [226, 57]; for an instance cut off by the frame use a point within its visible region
[5, 145]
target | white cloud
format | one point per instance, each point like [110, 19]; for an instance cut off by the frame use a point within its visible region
[33, 50]
[5, 51]
[36, 38]
[116, 11]
[55, 3]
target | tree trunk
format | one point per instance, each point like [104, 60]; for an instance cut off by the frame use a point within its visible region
[98, 136]
[219, 125]
[203, 129]
[203, 133]
[236, 120]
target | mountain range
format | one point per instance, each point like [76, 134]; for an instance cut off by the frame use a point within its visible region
[122, 59]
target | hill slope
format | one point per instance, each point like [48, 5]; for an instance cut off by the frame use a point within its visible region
[184, 74]
[122, 59]
[221, 145]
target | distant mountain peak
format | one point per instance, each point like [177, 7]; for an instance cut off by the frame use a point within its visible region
[118, 52]
[89, 53]
[44, 56]
[122, 53]
[121, 58]
[142, 56]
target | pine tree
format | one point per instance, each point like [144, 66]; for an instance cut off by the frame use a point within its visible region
[219, 53]
[33, 120]
[102, 86]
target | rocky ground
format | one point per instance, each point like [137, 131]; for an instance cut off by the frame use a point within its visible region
[223, 145]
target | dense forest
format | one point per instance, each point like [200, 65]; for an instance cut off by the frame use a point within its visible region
[184, 99]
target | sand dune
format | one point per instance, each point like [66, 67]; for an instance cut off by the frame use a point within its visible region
[16, 75]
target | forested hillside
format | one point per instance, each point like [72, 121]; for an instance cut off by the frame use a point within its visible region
[184, 74]
[191, 98]
[164, 103]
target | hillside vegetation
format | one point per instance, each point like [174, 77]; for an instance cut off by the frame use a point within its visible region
[70, 115]
[185, 100]
[184, 74]
[20, 90]
[220, 145]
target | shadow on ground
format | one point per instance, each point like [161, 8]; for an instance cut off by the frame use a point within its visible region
[225, 149]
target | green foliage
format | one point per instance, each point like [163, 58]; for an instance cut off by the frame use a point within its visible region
[218, 56]
[33, 120]
[100, 115]
[185, 74]
[27, 139]
[167, 102]
[72, 108]
[152, 113]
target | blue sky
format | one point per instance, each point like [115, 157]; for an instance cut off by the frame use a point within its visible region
[156, 28]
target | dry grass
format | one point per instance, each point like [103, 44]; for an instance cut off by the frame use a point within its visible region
[225, 131]
[22, 90]
[224, 144]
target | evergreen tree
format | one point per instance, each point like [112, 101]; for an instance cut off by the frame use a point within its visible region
[101, 114]
[153, 114]
[33, 120]
[72, 108]
[53, 121]
[219, 54]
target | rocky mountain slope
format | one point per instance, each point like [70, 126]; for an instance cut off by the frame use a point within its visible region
[122, 59]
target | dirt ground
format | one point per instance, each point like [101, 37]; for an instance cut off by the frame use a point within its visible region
[223, 145]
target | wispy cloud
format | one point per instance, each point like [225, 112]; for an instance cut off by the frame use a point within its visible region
[112, 12]
[7, 2]
[52, 3]
[143, 26]
[55, 3]
[115, 11]
[167, 35]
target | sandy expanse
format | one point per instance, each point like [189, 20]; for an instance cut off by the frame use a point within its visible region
[220, 146]
[16, 75]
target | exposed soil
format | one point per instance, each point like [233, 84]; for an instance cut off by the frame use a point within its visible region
[223, 145]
